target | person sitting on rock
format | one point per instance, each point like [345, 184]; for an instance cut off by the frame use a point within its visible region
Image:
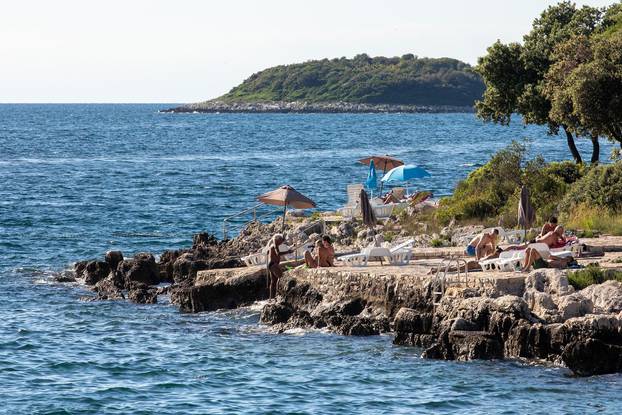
[483, 245]
[553, 239]
[274, 263]
[323, 255]
[533, 258]
[548, 227]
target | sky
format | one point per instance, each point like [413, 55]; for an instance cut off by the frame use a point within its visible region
[178, 51]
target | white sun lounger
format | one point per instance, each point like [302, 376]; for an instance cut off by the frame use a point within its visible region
[512, 260]
[261, 258]
[351, 209]
[397, 255]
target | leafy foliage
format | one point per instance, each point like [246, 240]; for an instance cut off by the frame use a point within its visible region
[531, 79]
[592, 274]
[407, 80]
[601, 187]
[492, 192]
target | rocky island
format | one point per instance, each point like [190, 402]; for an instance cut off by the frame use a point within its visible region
[359, 85]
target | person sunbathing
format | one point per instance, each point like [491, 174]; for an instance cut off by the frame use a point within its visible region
[390, 198]
[533, 258]
[483, 245]
[553, 239]
[323, 254]
[548, 227]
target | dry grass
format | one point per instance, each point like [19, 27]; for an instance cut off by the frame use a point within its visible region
[592, 220]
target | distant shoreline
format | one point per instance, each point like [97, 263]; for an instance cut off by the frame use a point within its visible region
[307, 107]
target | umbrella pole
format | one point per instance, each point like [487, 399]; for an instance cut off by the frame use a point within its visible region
[381, 182]
[283, 225]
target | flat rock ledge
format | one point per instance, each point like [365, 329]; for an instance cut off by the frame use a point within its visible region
[308, 107]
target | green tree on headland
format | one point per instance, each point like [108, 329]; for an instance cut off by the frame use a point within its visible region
[531, 78]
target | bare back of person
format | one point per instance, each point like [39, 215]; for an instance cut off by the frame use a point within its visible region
[553, 238]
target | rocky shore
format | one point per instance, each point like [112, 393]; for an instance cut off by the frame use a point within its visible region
[309, 107]
[536, 316]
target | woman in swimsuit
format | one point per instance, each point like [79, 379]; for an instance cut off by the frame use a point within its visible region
[274, 264]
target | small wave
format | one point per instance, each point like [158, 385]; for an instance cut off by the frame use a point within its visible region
[140, 234]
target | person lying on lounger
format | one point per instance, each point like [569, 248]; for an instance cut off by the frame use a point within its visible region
[554, 239]
[533, 258]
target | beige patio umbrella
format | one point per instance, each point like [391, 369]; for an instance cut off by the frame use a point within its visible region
[384, 163]
[526, 213]
[286, 196]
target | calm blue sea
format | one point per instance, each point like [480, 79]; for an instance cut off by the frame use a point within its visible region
[77, 180]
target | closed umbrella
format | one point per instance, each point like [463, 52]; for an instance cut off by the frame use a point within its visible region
[286, 196]
[383, 163]
[526, 213]
[372, 178]
[369, 218]
[404, 173]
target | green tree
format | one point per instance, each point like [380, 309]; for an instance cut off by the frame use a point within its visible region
[596, 89]
[522, 90]
[568, 57]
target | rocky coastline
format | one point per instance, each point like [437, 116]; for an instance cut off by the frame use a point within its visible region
[537, 316]
[217, 106]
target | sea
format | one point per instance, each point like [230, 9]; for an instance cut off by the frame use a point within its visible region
[78, 180]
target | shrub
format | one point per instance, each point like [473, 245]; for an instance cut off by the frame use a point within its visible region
[600, 187]
[486, 190]
[592, 274]
[437, 243]
[493, 190]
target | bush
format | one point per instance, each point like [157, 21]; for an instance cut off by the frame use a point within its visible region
[592, 274]
[437, 243]
[486, 190]
[601, 187]
[493, 191]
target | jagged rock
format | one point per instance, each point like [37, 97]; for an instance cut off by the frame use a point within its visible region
[203, 239]
[606, 297]
[276, 313]
[186, 267]
[224, 292]
[543, 306]
[549, 281]
[107, 290]
[592, 357]
[95, 271]
[113, 258]
[142, 268]
[411, 321]
[142, 294]
[65, 277]
[345, 230]
[470, 345]
[165, 265]
[79, 268]
[574, 305]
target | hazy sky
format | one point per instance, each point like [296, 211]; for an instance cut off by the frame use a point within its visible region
[191, 50]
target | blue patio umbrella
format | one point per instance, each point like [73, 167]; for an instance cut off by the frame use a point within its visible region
[404, 173]
[372, 179]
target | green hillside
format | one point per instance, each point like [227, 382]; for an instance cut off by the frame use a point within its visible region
[407, 80]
